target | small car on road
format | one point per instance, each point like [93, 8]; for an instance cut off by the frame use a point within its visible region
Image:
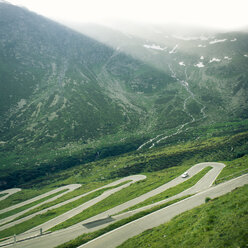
[185, 174]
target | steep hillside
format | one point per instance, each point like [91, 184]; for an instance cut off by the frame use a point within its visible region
[210, 70]
[60, 88]
[67, 99]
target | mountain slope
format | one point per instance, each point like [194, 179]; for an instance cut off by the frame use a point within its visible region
[67, 99]
[210, 70]
[58, 86]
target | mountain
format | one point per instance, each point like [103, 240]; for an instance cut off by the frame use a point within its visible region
[61, 91]
[213, 64]
[66, 98]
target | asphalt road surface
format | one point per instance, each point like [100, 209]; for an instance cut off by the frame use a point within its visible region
[202, 189]
[68, 189]
[121, 234]
[8, 192]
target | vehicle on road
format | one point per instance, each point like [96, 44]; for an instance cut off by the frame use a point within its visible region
[185, 174]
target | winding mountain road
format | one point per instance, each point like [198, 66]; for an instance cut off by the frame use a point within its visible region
[68, 189]
[8, 193]
[121, 234]
[202, 189]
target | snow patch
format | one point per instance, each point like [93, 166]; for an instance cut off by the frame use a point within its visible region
[227, 58]
[200, 45]
[181, 63]
[174, 49]
[200, 65]
[214, 60]
[246, 55]
[201, 57]
[233, 39]
[217, 41]
[155, 47]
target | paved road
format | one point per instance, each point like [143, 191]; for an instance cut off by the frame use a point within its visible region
[121, 234]
[69, 214]
[8, 192]
[129, 180]
[56, 238]
[205, 182]
[68, 189]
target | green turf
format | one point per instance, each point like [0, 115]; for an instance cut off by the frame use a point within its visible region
[222, 222]
[233, 169]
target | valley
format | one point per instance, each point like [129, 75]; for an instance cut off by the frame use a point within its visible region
[121, 134]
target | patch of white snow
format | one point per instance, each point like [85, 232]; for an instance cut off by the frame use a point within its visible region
[214, 60]
[246, 55]
[227, 58]
[201, 57]
[181, 63]
[200, 65]
[200, 45]
[233, 39]
[216, 41]
[155, 47]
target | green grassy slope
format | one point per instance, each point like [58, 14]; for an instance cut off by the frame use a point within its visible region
[160, 165]
[222, 222]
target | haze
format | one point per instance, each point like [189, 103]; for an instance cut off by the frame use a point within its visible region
[224, 14]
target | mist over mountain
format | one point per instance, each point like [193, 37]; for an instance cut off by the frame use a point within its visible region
[69, 97]
[198, 56]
